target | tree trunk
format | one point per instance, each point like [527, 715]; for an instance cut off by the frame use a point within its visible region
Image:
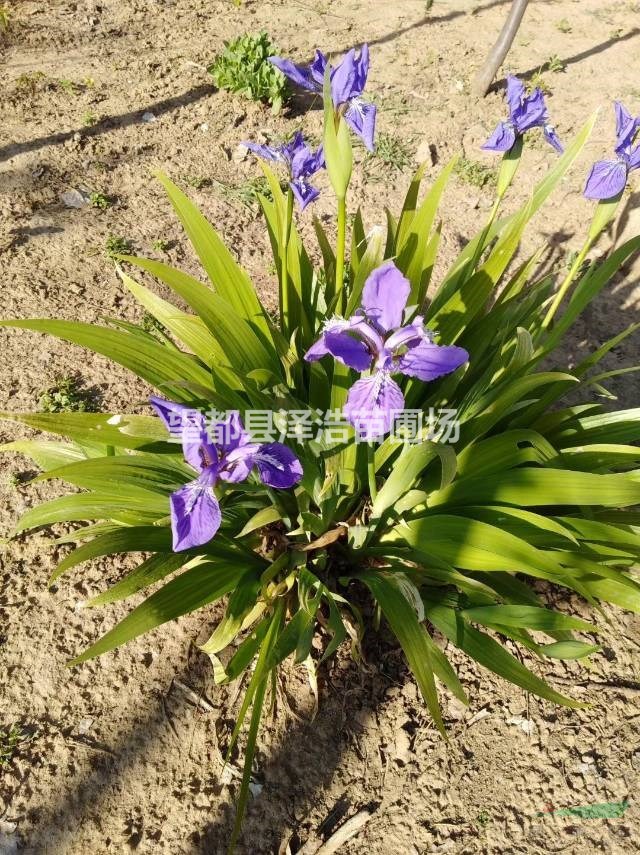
[484, 77]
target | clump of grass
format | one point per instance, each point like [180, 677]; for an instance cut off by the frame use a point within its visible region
[391, 152]
[66, 395]
[197, 181]
[563, 25]
[243, 67]
[475, 173]
[483, 818]
[555, 64]
[247, 193]
[29, 81]
[10, 741]
[161, 245]
[116, 245]
[89, 119]
[5, 18]
[100, 200]
[68, 86]
[538, 81]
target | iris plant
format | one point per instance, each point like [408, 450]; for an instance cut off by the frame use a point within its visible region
[608, 178]
[348, 80]
[375, 341]
[525, 112]
[221, 452]
[300, 161]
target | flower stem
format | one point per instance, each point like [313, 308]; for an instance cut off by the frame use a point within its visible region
[371, 471]
[340, 248]
[562, 290]
[284, 266]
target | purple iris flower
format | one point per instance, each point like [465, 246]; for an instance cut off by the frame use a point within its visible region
[195, 511]
[608, 178]
[374, 340]
[525, 112]
[300, 161]
[347, 85]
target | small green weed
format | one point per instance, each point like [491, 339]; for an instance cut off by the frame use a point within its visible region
[197, 181]
[115, 245]
[10, 741]
[483, 818]
[5, 18]
[555, 64]
[475, 173]
[563, 25]
[89, 119]
[100, 200]
[161, 245]
[66, 395]
[29, 81]
[244, 67]
[246, 193]
[391, 152]
[538, 81]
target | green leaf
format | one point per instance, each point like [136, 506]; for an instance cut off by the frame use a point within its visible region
[155, 568]
[124, 539]
[526, 617]
[531, 487]
[167, 369]
[132, 507]
[156, 473]
[492, 655]
[227, 277]
[196, 587]
[47, 454]
[260, 519]
[413, 637]
[108, 429]
[406, 469]
[569, 649]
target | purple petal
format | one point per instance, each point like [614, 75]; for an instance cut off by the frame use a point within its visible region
[532, 113]
[266, 152]
[385, 296]
[606, 179]
[303, 192]
[195, 514]
[408, 336]
[317, 69]
[372, 404]
[626, 126]
[229, 434]
[552, 137]
[515, 93]
[342, 344]
[361, 118]
[239, 462]
[299, 74]
[427, 361]
[502, 139]
[633, 158]
[344, 79]
[188, 425]
[278, 466]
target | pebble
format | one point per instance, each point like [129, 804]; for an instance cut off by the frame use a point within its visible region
[525, 724]
[147, 118]
[74, 198]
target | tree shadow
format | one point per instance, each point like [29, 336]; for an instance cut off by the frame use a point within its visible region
[108, 123]
[571, 60]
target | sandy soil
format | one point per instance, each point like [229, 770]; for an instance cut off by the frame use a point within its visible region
[121, 758]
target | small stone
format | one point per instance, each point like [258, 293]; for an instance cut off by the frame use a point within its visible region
[240, 153]
[255, 788]
[74, 198]
[147, 118]
[84, 726]
[525, 724]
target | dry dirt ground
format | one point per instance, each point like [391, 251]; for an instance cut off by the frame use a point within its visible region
[120, 759]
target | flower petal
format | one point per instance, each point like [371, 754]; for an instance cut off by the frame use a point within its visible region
[606, 179]
[532, 113]
[278, 466]
[188, 425]
[372, 404]
[385, 296]
[502, 139]
[515, 93]
[303, 192]
[195, 514]
[552, 138]
[361, 118]
[344, 79]
[626, 126]
[301, 75]
[427, 361]
[239, 462]
[342, 345]
[266, 152]
[409, 335]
